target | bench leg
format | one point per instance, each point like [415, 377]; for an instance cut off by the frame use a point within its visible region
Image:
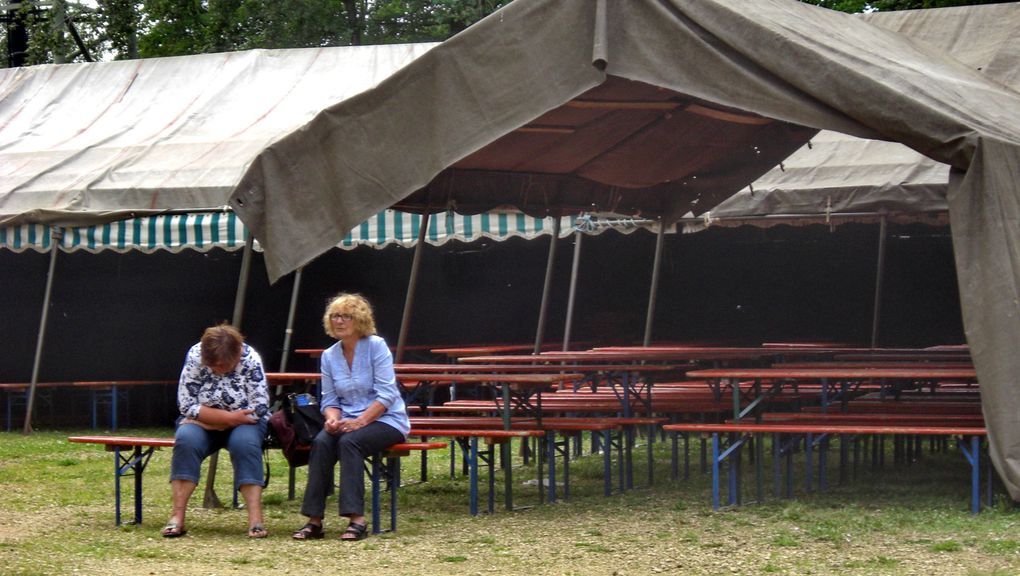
[394, 467]
[651, 455]
[973, 456]
[376, 474]
[473, 474]
[550, 445]
[607, 464]
[777, 465]
[809, 449]
[715, 470]
[507, 454]
[125, 466]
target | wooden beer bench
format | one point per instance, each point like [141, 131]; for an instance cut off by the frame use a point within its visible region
[382, 464]
[970, 445]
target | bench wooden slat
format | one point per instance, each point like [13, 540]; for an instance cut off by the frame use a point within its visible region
[823, 428]
[122, 441]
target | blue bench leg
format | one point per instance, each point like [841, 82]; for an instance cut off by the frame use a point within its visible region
[550, 451]
[376, 474]
[124, 466]
[394, 466]
[473, 475]
[973, 456]
[607, 464]
[715, 470]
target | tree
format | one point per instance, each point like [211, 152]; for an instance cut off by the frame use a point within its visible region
[125, 29]
[859, 6]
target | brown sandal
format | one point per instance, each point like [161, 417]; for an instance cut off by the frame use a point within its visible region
[308, 532]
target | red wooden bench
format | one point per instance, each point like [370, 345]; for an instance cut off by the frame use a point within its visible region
[743, 431]
[141, 449]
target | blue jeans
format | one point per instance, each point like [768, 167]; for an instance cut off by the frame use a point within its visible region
[192, 444]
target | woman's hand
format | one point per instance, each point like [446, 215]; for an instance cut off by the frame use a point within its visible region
[246, 416]
[332, 425]
[350, 424]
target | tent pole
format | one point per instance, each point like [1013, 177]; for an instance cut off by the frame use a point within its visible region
[654, 289]
[211, 500]
[878, 282]
[242, 281]
[56, 234]
[573, 289]
[290, 323]
[412, 285]
[540, 331]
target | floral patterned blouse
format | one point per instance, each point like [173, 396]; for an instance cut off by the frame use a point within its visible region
[244, 387]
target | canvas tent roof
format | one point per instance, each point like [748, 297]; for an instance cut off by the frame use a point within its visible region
[863, 179]
[745, 82]
[83, 144]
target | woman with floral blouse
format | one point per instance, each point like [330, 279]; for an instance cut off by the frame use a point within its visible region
[223, 399]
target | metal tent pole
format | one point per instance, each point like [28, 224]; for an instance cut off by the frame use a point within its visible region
[242, 281]
[653, 291]
[211, 500]
[878, 282]
[56, 234]
[543, 309]
[574, 268]
[289, 331]
[412, 285]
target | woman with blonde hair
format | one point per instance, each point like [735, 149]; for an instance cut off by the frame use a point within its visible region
[363, 410]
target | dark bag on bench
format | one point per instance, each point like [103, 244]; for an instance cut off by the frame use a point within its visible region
[294, 426]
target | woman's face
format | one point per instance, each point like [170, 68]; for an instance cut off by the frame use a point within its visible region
[343, 324]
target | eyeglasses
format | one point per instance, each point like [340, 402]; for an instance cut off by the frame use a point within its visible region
[337, 316]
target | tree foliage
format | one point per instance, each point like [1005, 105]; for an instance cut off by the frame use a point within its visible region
[860, 6]
[123, 29]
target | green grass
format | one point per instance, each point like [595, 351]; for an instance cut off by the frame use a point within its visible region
[57, 518]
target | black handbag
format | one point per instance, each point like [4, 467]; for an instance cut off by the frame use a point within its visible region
[294, 426]
[305, 417]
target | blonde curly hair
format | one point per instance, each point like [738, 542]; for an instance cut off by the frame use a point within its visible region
[359, 309]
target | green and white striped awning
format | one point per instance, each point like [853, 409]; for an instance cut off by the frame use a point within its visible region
[204, 231]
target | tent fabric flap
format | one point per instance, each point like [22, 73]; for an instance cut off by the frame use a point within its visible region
[574, 83]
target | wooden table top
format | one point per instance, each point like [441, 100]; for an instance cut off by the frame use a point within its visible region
[836, 373]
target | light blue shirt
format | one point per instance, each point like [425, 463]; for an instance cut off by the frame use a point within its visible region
[370, 378]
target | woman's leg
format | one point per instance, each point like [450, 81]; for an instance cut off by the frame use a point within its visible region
[321, 462]
[244, 444]
[354, 447]
[191, 446]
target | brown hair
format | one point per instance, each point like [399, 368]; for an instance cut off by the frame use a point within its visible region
[221, 345]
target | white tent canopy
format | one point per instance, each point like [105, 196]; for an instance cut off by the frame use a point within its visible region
[838, 177]
[103, 141]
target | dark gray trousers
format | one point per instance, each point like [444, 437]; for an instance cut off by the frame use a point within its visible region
[350, 449]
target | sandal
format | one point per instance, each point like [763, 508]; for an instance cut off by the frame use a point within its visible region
[308, 532]
[355, 531]
[173, 530]
[257, 531]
